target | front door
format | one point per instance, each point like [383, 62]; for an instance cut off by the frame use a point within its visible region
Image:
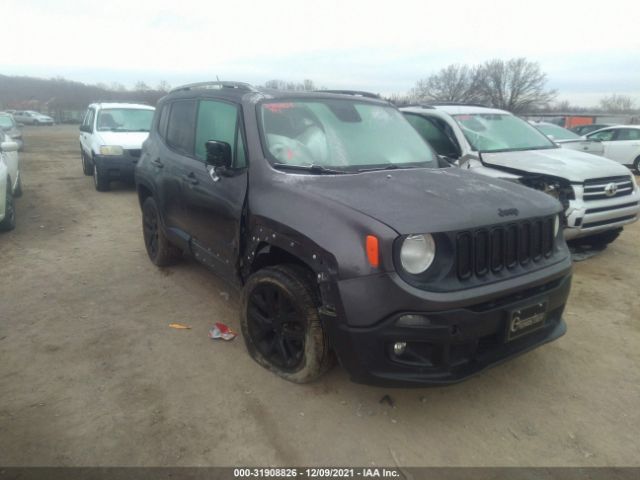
[625, 146]
[214, 203]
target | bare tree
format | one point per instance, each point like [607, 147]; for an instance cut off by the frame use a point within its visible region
[515, 85]
[617, 103]
[163, 86]
[306, 86]
[141, 87]
[455, 83]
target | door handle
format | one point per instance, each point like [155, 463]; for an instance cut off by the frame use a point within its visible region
[190, 178]
[157, 163]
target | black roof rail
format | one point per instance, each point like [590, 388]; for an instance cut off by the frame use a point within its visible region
[421, 105]
[237, 85]
[357, 93]
[458, 104]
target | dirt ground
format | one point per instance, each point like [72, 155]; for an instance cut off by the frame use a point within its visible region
[91, 374]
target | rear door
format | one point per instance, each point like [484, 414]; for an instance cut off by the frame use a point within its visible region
[214, 203]
[625, 146]
[86, 130]
[607, 137]
[171, 161]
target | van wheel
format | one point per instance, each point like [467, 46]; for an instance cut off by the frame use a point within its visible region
[9, 221]
[87, 165]
[281, 324]
[597, 241]
[159, 249]
[100, 180]
[18, 191]
[636, 165]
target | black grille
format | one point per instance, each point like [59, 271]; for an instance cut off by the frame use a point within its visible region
[485, 251]
[135, 152]
[596, 189]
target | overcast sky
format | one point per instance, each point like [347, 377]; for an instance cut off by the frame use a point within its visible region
[587, 48]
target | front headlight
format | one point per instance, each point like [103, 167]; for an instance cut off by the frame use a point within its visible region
[417, 253]
[556, 226]
[111, 150]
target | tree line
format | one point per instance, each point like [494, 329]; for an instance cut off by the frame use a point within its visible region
[517, 85]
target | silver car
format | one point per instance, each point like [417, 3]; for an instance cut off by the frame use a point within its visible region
[29, 117]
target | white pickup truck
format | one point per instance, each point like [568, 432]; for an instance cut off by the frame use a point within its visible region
[599, 196]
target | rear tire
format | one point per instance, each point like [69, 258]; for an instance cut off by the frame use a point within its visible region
[281, 324]
[636, 165]
[100, 180]
[9, 221]
[18, 191]
[159, 249]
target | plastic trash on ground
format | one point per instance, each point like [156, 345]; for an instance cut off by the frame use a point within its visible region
[221, 331]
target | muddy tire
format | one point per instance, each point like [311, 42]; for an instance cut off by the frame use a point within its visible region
[161, 252]
[9, 221]
[281, 324]
[100, 179]
[87, 164]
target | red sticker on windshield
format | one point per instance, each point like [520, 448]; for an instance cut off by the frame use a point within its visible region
[463, 117]
[278, 107]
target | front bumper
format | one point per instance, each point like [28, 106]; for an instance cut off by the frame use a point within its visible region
[117, 167]
[584, 218]
[458, 341]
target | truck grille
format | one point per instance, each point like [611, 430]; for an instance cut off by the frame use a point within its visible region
[490, 250]
[602, 188]
[135, 153]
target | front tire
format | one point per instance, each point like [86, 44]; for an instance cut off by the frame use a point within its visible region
[281, 324]
[100, 180]
[87, 165]
[159, 249]
[636, 165]
[9, 221]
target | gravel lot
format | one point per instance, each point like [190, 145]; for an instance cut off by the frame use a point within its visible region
[91, 374]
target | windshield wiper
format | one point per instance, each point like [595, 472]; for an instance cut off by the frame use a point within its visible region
[391, 166]
[319, 169]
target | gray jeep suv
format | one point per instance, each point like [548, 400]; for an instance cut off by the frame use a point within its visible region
[349, 236]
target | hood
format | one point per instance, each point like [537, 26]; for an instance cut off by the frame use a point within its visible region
[125, 140]
[571, 165]
[428, 200]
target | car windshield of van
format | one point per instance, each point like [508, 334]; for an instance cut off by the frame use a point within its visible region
[6, 122]
[557, 133]
[124, 120]
[335, 135]
[497, 132]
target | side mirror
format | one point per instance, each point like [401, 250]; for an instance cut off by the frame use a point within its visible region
[218, 154]
[8, 147]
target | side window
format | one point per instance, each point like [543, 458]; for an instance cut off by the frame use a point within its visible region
[87, 123]
[628, 134]
[181, 126]
[219, 121]
[164, 119]
[435, 135]
[604, 136]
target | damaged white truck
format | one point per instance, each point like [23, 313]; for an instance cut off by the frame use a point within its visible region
[599, 196]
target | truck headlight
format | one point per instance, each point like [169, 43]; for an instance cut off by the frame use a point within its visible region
[417, 253]
[111, 150]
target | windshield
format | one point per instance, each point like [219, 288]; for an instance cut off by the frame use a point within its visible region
[557, 132]
[491, 132]
[342, 135]
[124, 120]
[6, 121]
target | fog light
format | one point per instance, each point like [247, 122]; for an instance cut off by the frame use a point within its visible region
[411, 320]
[399, 348]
